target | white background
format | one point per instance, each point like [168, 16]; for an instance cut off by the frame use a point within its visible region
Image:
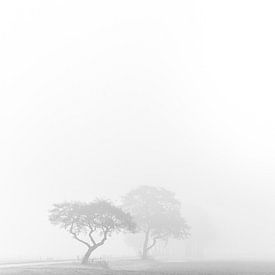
[98, 97]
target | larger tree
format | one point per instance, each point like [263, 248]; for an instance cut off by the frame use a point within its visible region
[91, 223]
[157, 213]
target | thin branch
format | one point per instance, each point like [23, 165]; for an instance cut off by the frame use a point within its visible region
[104, 238]
[87, 244]
[152, 245]
[77, 238]
[91, 237]
[155, 241]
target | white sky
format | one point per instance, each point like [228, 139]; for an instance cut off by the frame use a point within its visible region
[98, 97]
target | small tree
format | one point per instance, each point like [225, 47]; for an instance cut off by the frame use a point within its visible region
[157, 214]
[91, 223]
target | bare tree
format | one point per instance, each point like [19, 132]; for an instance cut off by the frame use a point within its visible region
[158, 215]
[91, 223]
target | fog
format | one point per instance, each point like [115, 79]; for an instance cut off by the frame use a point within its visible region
[99, 97]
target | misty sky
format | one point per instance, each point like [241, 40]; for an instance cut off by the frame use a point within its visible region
[98, 97]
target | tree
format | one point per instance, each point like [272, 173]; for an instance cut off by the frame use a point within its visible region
[158, 215]
[91, 223]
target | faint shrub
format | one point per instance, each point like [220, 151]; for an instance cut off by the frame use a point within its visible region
[101, 263]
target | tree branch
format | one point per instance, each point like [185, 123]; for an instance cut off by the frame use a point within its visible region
[104, 238]
[91, 237]
[152, 245]
[155, 241]
[77, 238]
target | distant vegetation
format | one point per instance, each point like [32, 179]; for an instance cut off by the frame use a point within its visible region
[154, 211]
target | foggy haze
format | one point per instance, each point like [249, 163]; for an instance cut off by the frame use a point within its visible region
[99, 97]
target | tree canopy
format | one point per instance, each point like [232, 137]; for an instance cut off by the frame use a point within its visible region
[157, 213]
[91, 223]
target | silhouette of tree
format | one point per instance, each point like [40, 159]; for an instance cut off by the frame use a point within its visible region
[91, 223]
[158, 215]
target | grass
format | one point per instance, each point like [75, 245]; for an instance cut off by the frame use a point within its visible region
[150, 268]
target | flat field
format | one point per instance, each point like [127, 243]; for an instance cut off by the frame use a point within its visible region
[148, 268]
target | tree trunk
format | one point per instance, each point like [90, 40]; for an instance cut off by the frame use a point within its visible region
[145, 245]
[87, 255]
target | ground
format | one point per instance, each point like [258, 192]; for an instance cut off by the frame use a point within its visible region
[149, 268]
